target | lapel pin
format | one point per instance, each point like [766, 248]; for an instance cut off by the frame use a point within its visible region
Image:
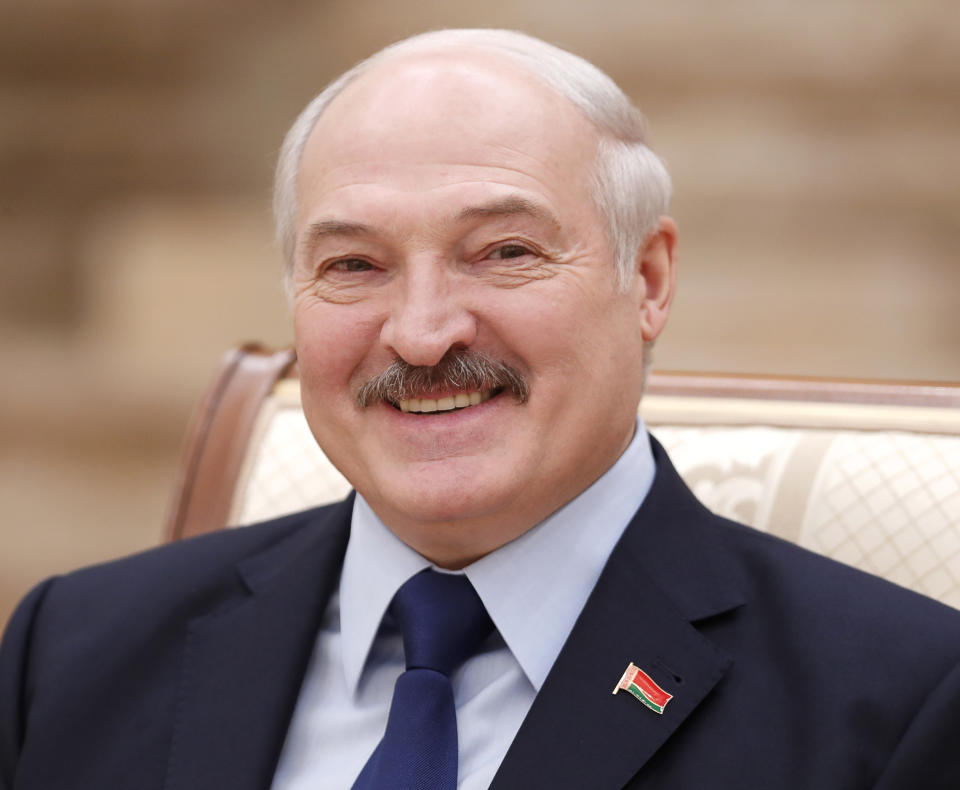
[641, 685]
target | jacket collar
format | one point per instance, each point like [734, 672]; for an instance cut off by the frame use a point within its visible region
[244, 659]
[669, 570]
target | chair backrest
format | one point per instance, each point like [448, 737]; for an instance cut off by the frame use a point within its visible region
[865, 472]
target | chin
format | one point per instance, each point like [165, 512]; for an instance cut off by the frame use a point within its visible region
[437, 502]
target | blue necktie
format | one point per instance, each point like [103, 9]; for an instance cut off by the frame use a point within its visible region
[443, 622]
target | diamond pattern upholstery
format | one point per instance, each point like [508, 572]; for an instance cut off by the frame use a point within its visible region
[286, 470]
[890, 503]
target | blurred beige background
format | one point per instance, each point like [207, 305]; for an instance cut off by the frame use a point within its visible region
[814, 148]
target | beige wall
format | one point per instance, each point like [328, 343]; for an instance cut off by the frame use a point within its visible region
[813, 147]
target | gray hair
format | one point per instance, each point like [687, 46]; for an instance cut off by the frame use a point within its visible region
[631, 186]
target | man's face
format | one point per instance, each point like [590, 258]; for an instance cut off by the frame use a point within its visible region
[445, 204]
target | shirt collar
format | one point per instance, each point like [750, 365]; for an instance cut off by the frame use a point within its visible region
[376, 564]
[517, 583]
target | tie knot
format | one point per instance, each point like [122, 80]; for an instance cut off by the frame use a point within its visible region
[442, 619]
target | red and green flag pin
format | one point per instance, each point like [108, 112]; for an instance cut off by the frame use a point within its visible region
[641, 685]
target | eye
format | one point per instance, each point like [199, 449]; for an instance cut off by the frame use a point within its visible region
[512, 250]
[351, 265]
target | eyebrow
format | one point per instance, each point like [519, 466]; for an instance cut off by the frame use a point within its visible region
[333, 227]
[508, 207]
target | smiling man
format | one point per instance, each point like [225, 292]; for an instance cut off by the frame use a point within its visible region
[483, 239]
[479, 260]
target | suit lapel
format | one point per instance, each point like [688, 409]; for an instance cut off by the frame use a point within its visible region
[668, 570]
[245, 660]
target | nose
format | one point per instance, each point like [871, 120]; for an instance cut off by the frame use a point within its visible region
[428, 317]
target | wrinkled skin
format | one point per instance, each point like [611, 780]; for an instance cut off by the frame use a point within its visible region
[444, 202]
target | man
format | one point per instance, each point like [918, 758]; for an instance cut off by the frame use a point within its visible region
[479, 259]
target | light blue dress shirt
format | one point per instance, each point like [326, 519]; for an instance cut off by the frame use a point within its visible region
[533, 587]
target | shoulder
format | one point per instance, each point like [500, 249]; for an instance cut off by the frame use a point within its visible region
[182, 564]
[842, 664]
[779, 573]
[138, 593]
[854, 640]
[113, 637]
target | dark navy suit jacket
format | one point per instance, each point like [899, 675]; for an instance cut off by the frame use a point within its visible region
[179, 668]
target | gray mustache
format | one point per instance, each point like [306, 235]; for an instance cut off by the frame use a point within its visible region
[458, 370]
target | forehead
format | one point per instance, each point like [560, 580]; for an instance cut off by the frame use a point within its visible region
[432, 120]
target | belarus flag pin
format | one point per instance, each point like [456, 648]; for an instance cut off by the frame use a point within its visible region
[641, 685]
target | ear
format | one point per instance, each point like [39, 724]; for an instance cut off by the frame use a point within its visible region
[656, 277]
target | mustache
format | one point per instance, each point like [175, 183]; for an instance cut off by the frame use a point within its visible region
[458, 370]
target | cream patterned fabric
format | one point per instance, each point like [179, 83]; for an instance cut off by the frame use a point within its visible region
[285, 470]
[884, 497]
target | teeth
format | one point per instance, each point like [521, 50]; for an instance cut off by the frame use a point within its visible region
[458, 401]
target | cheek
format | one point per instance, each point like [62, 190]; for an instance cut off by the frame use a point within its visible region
[555, 327]
[332, 341]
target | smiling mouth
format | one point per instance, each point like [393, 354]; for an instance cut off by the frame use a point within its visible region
[462, 400]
